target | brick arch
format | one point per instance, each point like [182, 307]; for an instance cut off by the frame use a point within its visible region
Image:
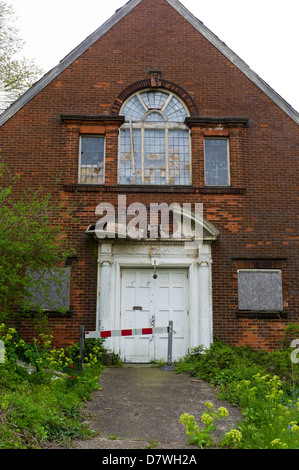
[163, 84]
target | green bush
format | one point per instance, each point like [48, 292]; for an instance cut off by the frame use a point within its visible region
[270, 421]
[222, 364]
[39, 413]
[264, 385]
[42, 392]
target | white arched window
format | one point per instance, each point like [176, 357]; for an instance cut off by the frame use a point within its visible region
[154, 140]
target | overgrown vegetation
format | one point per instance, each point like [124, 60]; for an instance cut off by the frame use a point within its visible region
[33, 246]
[264, 385]
[42, 392]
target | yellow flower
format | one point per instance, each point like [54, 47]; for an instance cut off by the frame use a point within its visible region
[265, 377]
[274, 442]
[223, 413]
[234, 436]
[246, 382]
[279, 444]
[207, 419]
[209, 405]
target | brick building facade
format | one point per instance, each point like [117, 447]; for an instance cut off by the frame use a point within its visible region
[154, 108]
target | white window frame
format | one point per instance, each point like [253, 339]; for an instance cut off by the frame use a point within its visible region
[166, 126]
[228, 160]
[82, 136]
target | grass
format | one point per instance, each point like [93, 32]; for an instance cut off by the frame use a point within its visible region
[44, 408]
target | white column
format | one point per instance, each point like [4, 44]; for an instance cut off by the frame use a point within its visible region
[205, 311]
[104, 287]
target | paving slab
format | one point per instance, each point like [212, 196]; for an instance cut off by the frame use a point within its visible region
[139, 407]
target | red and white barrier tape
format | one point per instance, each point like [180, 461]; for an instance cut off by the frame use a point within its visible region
[128, 332]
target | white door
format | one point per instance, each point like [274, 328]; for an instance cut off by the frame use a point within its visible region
[136, 312]
[148, 302]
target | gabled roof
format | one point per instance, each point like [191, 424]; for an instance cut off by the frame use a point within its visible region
[120, 14]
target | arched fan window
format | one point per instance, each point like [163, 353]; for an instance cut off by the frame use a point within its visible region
[154, 140]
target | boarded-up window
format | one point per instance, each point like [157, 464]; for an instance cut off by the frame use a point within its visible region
[50, 290]
[260, 290]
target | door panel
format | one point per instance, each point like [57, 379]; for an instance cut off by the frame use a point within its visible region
[136, 313]
[147, 302]
[172, 304]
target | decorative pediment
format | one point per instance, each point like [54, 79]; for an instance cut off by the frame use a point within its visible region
[180, 225]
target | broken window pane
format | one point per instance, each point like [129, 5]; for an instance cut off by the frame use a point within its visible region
[216, 162]
[260, 290]
[154, 160]
[92, 160]
[179, 163]
[154, 141]
[130, 163]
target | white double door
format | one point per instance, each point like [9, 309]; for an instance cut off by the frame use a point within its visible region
[152, 302]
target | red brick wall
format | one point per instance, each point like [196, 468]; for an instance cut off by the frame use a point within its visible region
[256, 217]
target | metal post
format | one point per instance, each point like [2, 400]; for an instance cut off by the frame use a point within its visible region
[82, 340]
[170, 337]
[169, 365]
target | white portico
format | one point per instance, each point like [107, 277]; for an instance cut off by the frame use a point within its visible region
[146, 283]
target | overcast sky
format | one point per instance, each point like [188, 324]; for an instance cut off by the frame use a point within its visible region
[264, 33]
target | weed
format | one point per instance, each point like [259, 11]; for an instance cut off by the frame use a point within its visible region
[152, 444]
[202, 437]
[265, 387]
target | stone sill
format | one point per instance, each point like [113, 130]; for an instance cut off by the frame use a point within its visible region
[261, 314]
[48, 314]
[72, 188]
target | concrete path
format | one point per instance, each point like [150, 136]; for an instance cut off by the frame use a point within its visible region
[139, 407]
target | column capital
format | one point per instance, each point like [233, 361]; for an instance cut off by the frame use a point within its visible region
[105, 260]
[105, 254]
[204, 260]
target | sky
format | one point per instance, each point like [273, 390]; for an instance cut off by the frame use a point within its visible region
[263, 33]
